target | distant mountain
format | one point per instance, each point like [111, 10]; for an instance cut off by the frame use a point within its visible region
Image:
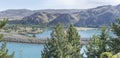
[15, 14]
[38, 18]
[65, 19]
[94, 17]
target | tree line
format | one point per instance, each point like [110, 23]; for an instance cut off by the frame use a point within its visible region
[66, 43]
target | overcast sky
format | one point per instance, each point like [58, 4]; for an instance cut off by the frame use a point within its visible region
[54, 4]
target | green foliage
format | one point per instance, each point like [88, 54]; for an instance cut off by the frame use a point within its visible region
[3, 23]
[109, 55]
[3, 49]
[114, 43]
[4, 52]
[61, 44]
[55, 45]
[105, 38]
[98, 44]
[74, 39]
[105, 43]
[116, 55]
[116, 27]
[94, 47]
[67, 44]
[73, 36]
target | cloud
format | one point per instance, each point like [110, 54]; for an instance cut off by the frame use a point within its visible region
[78, 4]
[66, 2]
[55, 4]
[111, 2]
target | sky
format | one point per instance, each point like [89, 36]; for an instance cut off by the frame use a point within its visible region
[54, 4]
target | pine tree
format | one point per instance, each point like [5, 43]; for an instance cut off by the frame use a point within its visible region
[105, 38]
[61, 44]
[116, 27]
[98, 44]
[3, 49]
[74, 39]
[114, 43]
[94, 47]
[55, 46]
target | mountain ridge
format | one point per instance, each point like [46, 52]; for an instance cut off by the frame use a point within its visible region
[93, 17]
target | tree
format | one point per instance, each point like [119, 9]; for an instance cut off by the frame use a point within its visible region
[98, 44]
[74, 39]
[115, 26]
[61, 44]
[105, 38]
[94, 47]
[3, 49]
[54, 48]
[114, 43]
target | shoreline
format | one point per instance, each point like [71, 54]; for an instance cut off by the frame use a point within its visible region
[20, 38]
[35, 40]
[29, 40]
[85, 28]
[15, 37]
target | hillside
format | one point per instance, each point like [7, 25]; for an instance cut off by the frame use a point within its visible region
[94, 17]
[65, 19]
[102, 15]
[15, 14]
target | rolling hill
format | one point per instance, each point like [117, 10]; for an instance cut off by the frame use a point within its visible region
[94, 17]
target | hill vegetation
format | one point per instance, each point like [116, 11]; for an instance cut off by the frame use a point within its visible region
[94, 17]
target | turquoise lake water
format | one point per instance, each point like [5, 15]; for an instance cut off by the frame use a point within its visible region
[34, 50]
[83, 33]
[26, 50]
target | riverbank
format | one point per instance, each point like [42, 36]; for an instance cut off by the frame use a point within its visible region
[14, 37]
[85, 28]
[20, 40]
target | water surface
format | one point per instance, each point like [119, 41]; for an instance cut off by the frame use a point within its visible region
[34, 50]
[25, 50]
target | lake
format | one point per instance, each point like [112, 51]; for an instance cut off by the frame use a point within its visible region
[82, 33]
[34, 50]
[25, 50]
